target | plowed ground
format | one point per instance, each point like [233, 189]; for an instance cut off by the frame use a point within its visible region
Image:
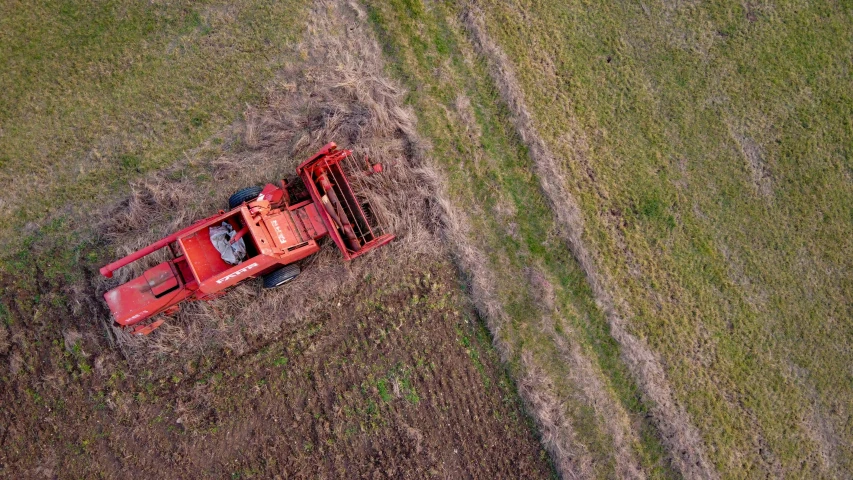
[395, 380]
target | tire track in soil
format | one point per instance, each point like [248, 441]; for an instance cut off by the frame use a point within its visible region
[682, 439]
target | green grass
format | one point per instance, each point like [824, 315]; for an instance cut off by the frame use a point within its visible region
[716, 150]
[493, 174]
[97, 93]
[707, 145]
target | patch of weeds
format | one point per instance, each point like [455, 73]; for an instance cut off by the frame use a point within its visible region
[35, 396]
[652, 206]
[371, 409]
[5, 315]
[194, 22]
[100, 400]
[148, 387]
[117, 376]
[401, 374]
[84, 367]
[384, 394]
[58, 301]
[376, 305]
[81, 448]
[313, 329]
[130, 162]
[198, 120]
[473, 350]
[409, 392]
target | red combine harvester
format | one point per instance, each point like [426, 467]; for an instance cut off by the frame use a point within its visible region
[263, 234]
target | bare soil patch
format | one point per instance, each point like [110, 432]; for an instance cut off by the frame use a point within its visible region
[392, 378]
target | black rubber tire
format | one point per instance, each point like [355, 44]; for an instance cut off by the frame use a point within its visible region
[281, 276]
[243, 195]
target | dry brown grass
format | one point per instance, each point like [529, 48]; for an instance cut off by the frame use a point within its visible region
[338, 93]
[611, 415]
[570, 456]
[686, 447]
[536, 387]
[4, 340]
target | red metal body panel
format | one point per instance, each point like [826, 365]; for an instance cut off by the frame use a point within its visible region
[275, 233]
[237, 273]
[309, 221]
[108, 270]
[162, 279]
[135, 301]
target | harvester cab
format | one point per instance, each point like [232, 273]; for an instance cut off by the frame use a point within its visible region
[266, 231]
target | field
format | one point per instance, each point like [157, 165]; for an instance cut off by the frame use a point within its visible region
[705, 146]
[378, 368]
[624, 236]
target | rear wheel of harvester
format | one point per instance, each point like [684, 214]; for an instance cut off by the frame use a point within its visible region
[281, 276]
[243, 195]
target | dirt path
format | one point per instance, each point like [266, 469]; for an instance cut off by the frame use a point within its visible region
[681, 437]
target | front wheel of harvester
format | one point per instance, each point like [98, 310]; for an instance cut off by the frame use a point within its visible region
[243, 195]
[281, 276]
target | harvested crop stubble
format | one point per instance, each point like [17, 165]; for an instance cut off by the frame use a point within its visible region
[338, 94]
